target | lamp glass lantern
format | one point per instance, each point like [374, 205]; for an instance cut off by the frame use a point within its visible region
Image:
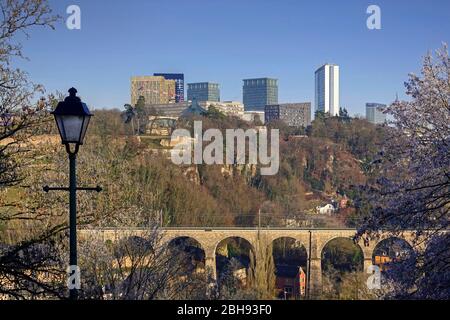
[72, 119]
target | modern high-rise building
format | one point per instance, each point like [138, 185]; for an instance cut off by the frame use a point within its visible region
[327, 89]
[374, 113]
[203, 91]
[179, 84]
[155, 90]
[293, 114]
[257, 93]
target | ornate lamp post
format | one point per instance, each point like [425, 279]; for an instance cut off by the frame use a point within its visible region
[72, 119]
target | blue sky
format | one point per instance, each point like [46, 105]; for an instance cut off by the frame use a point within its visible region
[226, 41]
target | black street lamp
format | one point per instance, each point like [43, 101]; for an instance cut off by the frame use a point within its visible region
[72, 118]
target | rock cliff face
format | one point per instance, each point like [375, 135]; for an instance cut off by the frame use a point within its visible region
[321, 164]
[246, 171]
[191, 173]
[318, 164]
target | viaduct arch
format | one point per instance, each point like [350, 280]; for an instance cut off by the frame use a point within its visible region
[314, 240]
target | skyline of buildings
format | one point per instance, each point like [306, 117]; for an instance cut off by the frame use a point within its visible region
[259, 95]
[203, 91]
[327, 89]
[292, 55]
[168, 88]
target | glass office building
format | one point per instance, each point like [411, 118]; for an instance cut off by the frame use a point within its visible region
[257, 93]
[374, 113]
[203, 91]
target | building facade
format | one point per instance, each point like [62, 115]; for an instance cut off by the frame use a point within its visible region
[374, 113]
[253, 116]
[203, 91]
[293, 114]
[154, 89]
[327, 89]
[230, 108]
[290, 282]
[179, 84]
[257, 93]
[174, 110]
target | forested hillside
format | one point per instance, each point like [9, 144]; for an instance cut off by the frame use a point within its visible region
[141, 183]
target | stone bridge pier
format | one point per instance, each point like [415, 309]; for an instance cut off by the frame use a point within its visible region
[314, 241]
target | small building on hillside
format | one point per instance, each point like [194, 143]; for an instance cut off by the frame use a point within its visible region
[229, 108]
[326, 209]
[343, 203]
[290, 282]
[167, 109]
[194, 109]
[382, 261]
[253, 116]
[160, 125]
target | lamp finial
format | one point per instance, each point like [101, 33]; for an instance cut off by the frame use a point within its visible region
[73, 92]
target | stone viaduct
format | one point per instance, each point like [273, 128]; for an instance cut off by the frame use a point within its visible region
[314, 241]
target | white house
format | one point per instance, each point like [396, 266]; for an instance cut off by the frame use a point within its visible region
[326, 209]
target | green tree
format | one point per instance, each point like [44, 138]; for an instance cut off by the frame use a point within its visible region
[214, 113]
[140, 114]
[343, 115]
[262, 269]
[129, 116]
